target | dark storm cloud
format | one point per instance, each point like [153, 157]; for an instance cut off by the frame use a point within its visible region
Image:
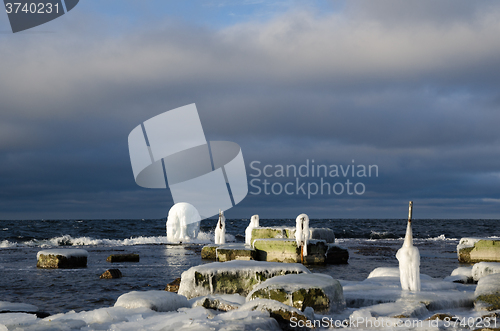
[413, 91]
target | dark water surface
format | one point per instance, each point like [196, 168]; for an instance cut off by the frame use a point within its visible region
[371, 243]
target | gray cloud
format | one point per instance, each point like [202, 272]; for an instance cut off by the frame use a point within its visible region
[413, 90]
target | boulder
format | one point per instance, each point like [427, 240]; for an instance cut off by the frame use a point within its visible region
[225, 302]
[232, 277]
[231, 252]
[287, 317]
[482, 269]
[174, 285]
[268, 233]
[111, 274]
[114, 258]
[318, 291]
[209, 252]
[278, 232]
[62, 258]
[487, 294]
[471, 250]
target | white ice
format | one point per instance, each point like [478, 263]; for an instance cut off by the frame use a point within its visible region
[64, 252]
[162, 301]
[220, 229]
[183, 222]
[482, 269]
[254, 223]
[302, 233]
[409, 263]
[6, 306]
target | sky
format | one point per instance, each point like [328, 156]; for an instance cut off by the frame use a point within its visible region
[411, 88]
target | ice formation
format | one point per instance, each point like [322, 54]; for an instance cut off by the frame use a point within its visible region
[254, 223]
[161, 301]
[409, 263]
[302, 233]
[183, 222]
[482, 269]
[220, 229]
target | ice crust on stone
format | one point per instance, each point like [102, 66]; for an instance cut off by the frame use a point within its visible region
[254, 223]
[409, 263]
[223, 302]
[482, 269]
[183, 222]
[468, 242]
[6, 306]
[240, 269]
[69, 252]
[294, 282]
[162, 301]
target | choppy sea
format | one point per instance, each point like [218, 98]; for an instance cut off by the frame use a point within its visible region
[371, 243]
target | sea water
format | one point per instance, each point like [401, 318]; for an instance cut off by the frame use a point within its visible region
[371, 244]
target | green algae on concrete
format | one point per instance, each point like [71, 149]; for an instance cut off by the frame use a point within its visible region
[235, 252]
[209, 252]
[484, 250]
[267, 233]
[286, 250]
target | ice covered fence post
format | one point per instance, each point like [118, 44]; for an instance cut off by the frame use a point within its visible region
[254, 223]
[409, 260]
[220, 229]
[302, 234]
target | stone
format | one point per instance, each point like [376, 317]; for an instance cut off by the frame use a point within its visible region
[472, 250]
[288, 318]
[174, 285]
[232, 277]
[487, 294]
[111, 274]
[337, 255]
[209, 252]
[268, 233]
[231, 252]
[286, 250]
[62, 258]
[114, 258]
[318, 291]
[219, 302]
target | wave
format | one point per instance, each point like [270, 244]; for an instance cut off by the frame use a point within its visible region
[67, 240]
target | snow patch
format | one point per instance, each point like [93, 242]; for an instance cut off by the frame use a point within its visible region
[161, 301]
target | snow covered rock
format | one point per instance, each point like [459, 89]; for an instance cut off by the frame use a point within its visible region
[225, 302]
[231, 252]
[6, 306]
[161, 301]
[232, 277]
[280, 232]
[318, 291]
[461, 275]
[471, 250]
[285, 315]
[183, 222]
[482, 269]
[62, 258]
[286, 250]
[487, 294]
